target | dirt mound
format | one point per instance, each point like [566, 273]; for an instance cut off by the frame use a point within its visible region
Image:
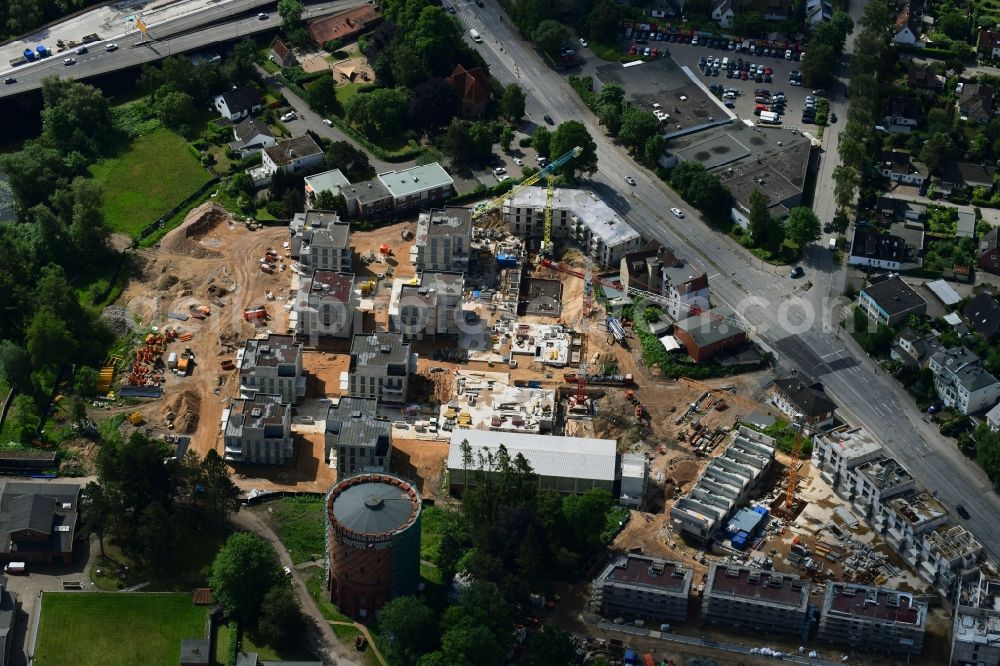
[166, 282]
[184, 239]
[183, 411]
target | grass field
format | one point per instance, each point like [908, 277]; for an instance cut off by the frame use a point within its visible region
[300, 524]
[156, 173]
[116, 629]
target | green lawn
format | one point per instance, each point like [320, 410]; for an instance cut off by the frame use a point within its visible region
[102, 629]
[300, 524]
[156, 173]
[346, 92]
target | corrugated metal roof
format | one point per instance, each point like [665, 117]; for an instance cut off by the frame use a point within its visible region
[561, 457]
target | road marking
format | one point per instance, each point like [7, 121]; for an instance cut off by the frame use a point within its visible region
[834, 353]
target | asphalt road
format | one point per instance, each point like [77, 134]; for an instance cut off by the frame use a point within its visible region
[799, 324]
[177, 35]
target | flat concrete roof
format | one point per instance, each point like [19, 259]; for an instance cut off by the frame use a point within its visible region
[663, 82]
[599, 217]
[415, 179]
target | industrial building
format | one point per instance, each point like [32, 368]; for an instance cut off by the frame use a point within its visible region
[373, 542]
[568, 465]
[975, 636]
[258, 431]
[836, 453]
[272, 365]
[756, 601]
[381, 364]
[326, 305]
[443, 240]
[579, 216]
[356, 440]
[873, 619]
[725, 485]
[320, 241]
[428, 305]
[636, 587]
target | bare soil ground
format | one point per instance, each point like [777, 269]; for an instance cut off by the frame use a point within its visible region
[422, 460]
[209, 260]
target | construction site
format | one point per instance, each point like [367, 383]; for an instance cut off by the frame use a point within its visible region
[526, 348]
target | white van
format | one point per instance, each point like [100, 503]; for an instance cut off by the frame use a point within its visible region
[725, 63]
[476, 37]
[833, 244]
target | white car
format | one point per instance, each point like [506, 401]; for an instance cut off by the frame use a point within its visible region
[583, 42]
[69, 61]
[788, 54]
[328, 122]
[518, 161]
[111, 47]
[288, 116]
[288, 571]
[499, 171]
[630, 180]
[261, 16]
[677, 212]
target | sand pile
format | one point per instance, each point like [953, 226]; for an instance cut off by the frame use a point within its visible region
[184, 240]
[184, 411]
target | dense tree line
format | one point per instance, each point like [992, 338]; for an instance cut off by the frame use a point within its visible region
[703, 190]
[542, 20]
[511, 541]
[20, 16]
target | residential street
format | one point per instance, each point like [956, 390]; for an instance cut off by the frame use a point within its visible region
[802, 330]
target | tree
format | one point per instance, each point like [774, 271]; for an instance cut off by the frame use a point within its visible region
[456, 142]
[407, 627]
[550, 37]
[610, 116]
[653, 150]
[602, 21]
[845, 179]
[481, 140]
[955, 24]
[569, 135]
[351, 161]
[290, 12]
[937, 150]
[175, 110]
[506, 138]
[327, 200]
[157, 537]
[585, 517]
[50, 342]
[23, 15]
[468, 643]
[24, 419]
[802, 226]
[15, 366]
[529, 14]
[281, 620]
[323, 96]
[512, 102]
[381, 112]
[552, 646]
[240, 184]
[76, 117]
[435, 40]
[540, 141]
[85, 382]
[221, 497]
[243, 572]
[817, 69]
[759, 218]
[135, 476]
[638, 125]
[96, 511]
[833, 32]
[433, 104]
[748, 23]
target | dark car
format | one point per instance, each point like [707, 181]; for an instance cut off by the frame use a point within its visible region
[962, 512]
[9, 80]
[797, 272]
[833, 117]
[548, 119]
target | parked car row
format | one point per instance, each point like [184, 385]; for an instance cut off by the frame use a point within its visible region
[737, 68]
[645, 52]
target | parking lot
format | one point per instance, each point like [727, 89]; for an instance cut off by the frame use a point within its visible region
[688, 55]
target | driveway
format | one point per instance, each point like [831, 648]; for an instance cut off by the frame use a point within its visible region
[325, 641]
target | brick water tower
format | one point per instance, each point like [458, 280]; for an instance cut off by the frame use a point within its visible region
[373, 542]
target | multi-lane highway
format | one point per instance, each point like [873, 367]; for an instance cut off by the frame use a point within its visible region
[802, 326]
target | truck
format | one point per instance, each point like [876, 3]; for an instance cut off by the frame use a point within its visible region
[15, 568]
[832, 244]
[29, 55]
[770, 118]
[43, 52]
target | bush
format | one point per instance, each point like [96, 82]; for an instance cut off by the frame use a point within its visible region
[524, 142]
[333, 45]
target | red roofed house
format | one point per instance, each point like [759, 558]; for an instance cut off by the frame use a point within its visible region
[904, 31]
[281, 55]
[344, 25]
[988, 45]
[473, 89]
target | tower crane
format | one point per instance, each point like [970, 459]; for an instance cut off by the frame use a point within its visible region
[793, 469]
[550, 168]
[546, 249]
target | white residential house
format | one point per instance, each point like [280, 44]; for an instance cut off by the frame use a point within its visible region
[357, 439]
[443, 240]
[961, 381]
[428, 306]
[724, 12]
[993, 417]
[902, 114]
[321, 241]
[291, 156]
[380, 368]
[238, 103]
[326, 305]
[251, 135]
[272, 365]
[658, 270]
[258, 431]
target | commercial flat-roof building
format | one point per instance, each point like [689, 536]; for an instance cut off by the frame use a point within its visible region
[381, 364]
[724, 486]
[643, 588]
[443, 240]
[327, 181]
[704, 336]
[577, 215]
[975, 636]
[568, 465]
[272, 365]
[873, 619]
[890, 301]
[417, 186]
[258, 431]
[357, 438]
[756, 601]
